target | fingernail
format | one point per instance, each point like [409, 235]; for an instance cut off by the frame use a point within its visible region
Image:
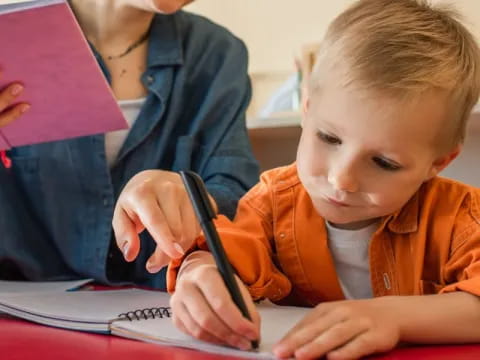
[179, 248]
[280, 350]
[24, 108]
[233, 340]
[244, 344]
[125, 248]
[16, 89]
[152, 267]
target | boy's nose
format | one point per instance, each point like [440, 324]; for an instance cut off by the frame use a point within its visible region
[343, 179]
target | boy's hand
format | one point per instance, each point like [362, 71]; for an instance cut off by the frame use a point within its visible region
[157, 201]
[343, 330]
[9, 113]
[203, 308]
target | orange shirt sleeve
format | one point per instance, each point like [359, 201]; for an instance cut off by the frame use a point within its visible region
[248, 242]
[462, 270]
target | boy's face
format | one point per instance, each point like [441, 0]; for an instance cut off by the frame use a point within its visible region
[363, 155]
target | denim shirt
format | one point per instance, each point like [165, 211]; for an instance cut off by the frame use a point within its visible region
[57, 200]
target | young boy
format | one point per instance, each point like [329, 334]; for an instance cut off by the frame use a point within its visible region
[360, 226]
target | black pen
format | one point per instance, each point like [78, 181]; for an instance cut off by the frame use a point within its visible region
[205, 214]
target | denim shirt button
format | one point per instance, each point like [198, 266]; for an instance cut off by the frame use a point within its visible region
[150, 79]
[105, 201]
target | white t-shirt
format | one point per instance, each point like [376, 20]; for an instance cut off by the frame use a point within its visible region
[349, 249]
[115, 139]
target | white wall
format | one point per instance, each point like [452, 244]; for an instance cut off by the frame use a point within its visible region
[275, 29]
[466, 167]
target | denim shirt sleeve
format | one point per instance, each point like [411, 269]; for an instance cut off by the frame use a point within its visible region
[218, 142]
[229, 168]
[24, 248]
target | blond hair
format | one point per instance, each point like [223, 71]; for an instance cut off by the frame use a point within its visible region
[404, 48]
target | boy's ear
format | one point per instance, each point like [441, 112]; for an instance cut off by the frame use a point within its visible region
[443, 161]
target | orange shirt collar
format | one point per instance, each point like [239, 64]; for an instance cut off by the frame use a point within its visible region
[406, 219]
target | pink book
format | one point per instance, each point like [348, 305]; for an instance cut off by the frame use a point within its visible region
[42, 46]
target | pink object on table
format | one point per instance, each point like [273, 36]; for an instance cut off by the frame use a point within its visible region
[21, 340]
[44, 49]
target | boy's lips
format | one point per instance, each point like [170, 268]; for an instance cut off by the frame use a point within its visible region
[336, 202]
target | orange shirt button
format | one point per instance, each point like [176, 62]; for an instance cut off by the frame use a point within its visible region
[386, 281]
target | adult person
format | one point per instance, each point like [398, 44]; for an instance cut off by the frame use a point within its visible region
[182, 83]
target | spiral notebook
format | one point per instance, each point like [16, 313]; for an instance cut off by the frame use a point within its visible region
[13, 287]
[140, 315]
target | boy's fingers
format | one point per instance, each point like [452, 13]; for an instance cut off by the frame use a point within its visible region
[336, 336]
[305, 332]
[357, 348]
[193, 328]
[222, 304]
[252, 309]
[209, 321]
[179, 324]
[314, 316]
[126, 235]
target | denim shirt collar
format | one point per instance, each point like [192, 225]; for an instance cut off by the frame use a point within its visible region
[168, 51]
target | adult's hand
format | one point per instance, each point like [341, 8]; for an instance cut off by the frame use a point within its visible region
[8, 110]
[156, 201]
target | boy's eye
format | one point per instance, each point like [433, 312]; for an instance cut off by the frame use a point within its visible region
[385, 164]
[329, 139]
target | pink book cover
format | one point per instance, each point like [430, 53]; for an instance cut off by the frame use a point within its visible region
[42, 46]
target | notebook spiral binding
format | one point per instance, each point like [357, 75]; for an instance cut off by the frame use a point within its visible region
[144, 314]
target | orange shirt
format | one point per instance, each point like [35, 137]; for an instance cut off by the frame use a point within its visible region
[278, 243]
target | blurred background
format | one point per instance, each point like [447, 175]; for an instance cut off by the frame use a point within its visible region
[279, 35]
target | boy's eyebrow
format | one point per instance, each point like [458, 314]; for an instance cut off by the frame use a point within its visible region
[332, 127]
